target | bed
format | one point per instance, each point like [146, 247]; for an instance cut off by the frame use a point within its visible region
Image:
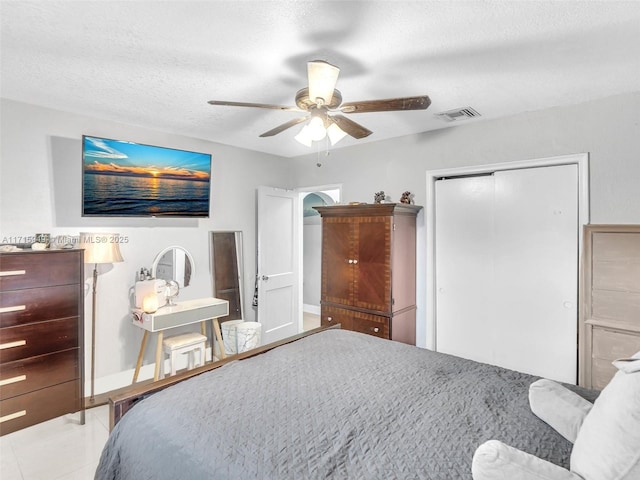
[334, 404]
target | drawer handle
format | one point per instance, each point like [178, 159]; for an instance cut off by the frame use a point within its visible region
[7, 381]
[18, 343]
[11, 273]
[12, 416]
[329, 319]
[375, 329]
[15, 308]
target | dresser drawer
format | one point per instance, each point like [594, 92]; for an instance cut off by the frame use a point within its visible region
[332, 316]
[355, 321]
[23, 376]
[371, 324]
[35, 407]
[40, 338]
[40, 269]
[39, 304]
[609, 345]
[602, 371]
[613, 344]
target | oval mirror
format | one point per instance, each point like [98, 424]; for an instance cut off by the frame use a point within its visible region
[174, 263]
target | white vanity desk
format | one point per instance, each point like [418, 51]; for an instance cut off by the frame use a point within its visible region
[173, 316]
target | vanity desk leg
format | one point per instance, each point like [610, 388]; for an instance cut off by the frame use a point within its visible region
[215, 336]
[216, 329]
[140, 355]
[159, 356]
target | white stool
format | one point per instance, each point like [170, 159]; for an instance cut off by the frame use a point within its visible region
[186, 343]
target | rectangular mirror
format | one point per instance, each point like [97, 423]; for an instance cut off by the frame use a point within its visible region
[227, 270]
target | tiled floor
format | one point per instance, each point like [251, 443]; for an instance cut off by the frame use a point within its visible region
[310, 321]
[60, 449]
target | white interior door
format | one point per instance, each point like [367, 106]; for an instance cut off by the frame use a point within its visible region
[279, 221]
[507, 269]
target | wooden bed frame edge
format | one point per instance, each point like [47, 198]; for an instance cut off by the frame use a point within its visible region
[120, 404]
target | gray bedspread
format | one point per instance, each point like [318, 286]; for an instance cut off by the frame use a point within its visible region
[337, 404]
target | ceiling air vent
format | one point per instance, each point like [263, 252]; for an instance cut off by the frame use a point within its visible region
[458, 114]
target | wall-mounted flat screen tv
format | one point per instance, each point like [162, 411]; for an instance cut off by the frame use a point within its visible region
[127, 179]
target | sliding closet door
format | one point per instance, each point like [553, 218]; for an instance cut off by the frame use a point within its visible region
[536, 275]
[528, 275]
[464, 266]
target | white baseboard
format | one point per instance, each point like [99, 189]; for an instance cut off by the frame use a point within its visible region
[314, 309]
[118, 380]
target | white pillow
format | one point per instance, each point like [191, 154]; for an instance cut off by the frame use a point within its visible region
[561, 408]
[608, 443]
[628, 365]
[493, 460]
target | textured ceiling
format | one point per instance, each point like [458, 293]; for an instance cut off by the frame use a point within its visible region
[157, 63]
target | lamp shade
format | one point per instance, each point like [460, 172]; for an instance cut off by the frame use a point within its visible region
[335, 133]
[304, 137]
[101, 247]
[322, 80]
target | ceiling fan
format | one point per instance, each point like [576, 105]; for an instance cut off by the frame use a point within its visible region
[324, 107]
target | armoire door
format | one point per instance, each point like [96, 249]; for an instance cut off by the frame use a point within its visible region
[372, 272]
[337, 250]
[507, 269]
[356, 262]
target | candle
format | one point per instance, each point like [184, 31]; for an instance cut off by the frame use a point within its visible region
[150, 303]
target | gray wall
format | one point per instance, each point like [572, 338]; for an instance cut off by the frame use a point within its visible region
[312, 265]
[40, 191]
[40, 186]
[607, 129]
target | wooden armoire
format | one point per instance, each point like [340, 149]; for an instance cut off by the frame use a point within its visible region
[369, 269]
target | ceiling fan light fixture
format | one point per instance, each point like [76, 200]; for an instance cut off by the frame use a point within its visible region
[335, 133]
[316, 129]
[322, 81]
[304, 137]
[325, 111]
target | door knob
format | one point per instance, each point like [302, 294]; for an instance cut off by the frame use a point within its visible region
[265, 277]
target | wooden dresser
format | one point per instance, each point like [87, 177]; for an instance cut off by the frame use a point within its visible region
[610, 311]
[41, 336]
[369, 269]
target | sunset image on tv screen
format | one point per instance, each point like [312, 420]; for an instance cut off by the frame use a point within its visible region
[126, 179]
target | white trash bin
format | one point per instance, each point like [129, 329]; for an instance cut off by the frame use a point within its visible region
[248, 335]
[229, 336]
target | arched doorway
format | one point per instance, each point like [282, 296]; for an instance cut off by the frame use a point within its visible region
[312, 245]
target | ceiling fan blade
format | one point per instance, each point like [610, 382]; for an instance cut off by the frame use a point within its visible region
[350, 127]
[322, 80]
[388, 105]
[284, 126]
[256, 105]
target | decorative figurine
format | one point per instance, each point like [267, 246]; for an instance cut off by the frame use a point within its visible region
[406, 198]
[379, 197]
